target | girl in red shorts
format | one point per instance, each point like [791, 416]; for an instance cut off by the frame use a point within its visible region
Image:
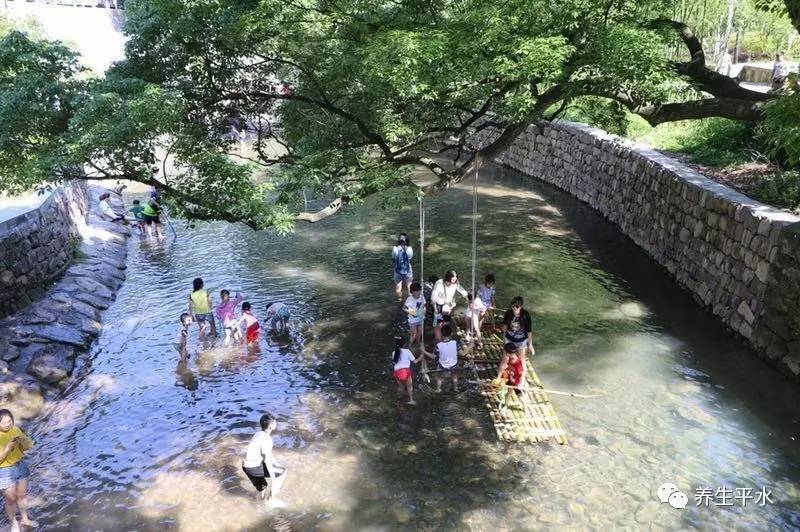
[402, 359]
[251, 325]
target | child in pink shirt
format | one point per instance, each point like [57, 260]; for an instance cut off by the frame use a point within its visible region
[226, 313]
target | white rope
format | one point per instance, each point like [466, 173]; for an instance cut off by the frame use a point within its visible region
[422, 283]
[474, 232]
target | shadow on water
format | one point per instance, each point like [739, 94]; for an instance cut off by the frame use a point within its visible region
[148, 445]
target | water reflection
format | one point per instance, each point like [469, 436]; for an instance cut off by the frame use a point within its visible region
[148, 443]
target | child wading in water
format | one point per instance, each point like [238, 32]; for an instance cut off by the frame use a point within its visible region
[226, 313]
[402, 359]
[137, 215]
[447, 350]
[260, 465]
[487, 292]
[252, 331]
[415, 308]
[183, 336]
[278, 315]
[200, 308]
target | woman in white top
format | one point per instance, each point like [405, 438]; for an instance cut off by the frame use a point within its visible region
[402, 359]
[260, 465]
[443, 298]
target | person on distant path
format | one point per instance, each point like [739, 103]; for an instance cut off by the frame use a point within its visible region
[152, 218]
[447, 351]
[183, 336]
[200, 308]
[137, 215]
[107, 212]
[260, 465]
[278, 315]
[518, 327]
[402, 254]
[14, 472]
[415, 310]
[443, 298]
[403, 375]
[780, 71]
[252, 328]
[226, 314]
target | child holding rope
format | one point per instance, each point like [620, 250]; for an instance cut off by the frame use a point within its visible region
[443, 298]
[402, 359]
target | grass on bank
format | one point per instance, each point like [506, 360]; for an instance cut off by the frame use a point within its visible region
[729, 151]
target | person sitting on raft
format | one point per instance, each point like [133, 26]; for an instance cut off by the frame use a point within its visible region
[226, 313]
[517, 327]
[511, 374]
[402, 359]
[443, 298]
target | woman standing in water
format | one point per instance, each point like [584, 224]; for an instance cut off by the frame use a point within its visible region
[402, 254]
[13, 471]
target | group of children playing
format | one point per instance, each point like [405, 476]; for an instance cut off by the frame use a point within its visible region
[200, 312]
[434, 306]
[147, 218]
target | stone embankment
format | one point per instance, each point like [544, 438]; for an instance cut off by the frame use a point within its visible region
[39, 345]
[740, 258]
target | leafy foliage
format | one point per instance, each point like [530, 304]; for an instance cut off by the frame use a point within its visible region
[781, 128]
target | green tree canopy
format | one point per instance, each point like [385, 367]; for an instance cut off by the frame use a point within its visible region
[344, 95]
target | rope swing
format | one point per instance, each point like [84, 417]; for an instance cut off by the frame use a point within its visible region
[422, 281]
[474, 234]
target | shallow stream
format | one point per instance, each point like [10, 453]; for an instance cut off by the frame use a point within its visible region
[143, 443]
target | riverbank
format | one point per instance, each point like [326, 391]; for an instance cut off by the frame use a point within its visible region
[42, 344]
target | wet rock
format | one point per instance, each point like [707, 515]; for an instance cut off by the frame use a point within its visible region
[91, 286]
[52, 363]
[93, 300]
[550, 518]
[22, 395]
[85, 310]
[61, 334]
[10, 352]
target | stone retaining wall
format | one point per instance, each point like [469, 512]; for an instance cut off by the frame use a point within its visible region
[740, 258]
[37, 246]
[41, 345]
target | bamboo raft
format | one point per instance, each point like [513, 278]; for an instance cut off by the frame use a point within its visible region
[529, 416]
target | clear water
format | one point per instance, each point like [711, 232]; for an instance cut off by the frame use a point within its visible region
[142, 443]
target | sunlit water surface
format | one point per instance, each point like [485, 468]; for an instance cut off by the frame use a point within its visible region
[141, 443]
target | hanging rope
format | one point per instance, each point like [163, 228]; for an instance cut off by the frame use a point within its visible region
[474, 235]
[422, 282]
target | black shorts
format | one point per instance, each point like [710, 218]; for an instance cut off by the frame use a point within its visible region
[259, 475]
[149, 220]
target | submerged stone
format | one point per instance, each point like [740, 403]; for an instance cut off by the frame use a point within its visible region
[61, 334]
[22, 395]
[52, 363]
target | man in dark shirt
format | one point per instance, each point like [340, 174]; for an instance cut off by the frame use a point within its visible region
[518, 328]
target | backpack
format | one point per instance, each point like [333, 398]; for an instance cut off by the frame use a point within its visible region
[402, 266]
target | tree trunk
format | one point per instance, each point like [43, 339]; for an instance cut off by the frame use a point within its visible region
[721, 47]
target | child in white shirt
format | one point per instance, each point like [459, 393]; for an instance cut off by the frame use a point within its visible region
[447, 351]
[415, 309]
[474, 316]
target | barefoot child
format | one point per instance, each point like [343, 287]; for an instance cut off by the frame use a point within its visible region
[447, 351]
[183, 336]
[260, 465]
[14, 472]
[415, 308]
[472, 319]
[487, 293]
[226, 313]
[252, 328]
[402, 359]
[137, 215]
[200, 308]
[278, 315]
[511, 373]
